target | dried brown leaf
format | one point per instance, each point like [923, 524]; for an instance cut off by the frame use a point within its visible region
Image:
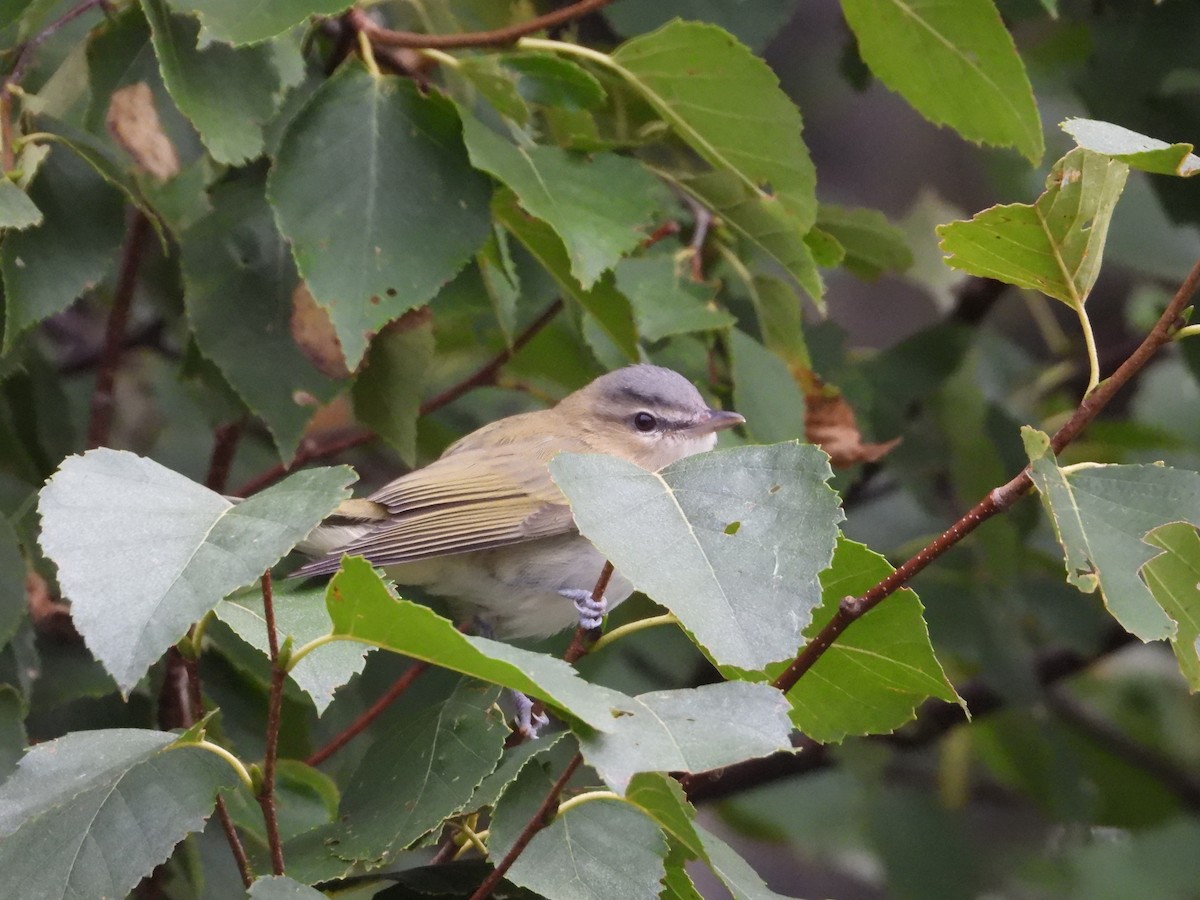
[133, 122]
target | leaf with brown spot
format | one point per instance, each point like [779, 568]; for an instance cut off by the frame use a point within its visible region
[315, 335]
[133, 122]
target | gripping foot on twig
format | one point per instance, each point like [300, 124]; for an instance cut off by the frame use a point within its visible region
[527, 723]
[591, 610]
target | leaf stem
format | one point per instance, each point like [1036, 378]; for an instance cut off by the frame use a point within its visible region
[1089, 341]
[540, 820]
[1187, 331]
[632, 628]
[304, 649]
[238, 766]
[266, 797]
[587, 797]
[474, 839]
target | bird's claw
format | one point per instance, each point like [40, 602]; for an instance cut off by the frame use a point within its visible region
[591, 610]
[527, 722]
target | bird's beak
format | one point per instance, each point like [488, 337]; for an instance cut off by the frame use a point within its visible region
[717, 420]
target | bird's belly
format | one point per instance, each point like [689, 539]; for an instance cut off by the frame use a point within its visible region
[515, 589]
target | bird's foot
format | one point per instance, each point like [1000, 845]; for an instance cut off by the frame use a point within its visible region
[528, 723]
[591, 610]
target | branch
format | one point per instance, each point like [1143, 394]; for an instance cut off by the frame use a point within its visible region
[368, 715]
[1000, 498]
[540, 820]
[934, 719]
[225, 443]
[485, 374]
[266, 796]
[100, 420]
[500, 37]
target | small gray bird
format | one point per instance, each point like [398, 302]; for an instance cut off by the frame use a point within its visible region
[486, 527]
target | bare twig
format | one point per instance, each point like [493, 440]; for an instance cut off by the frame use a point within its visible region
[368, 715]
[540, 820]
[266, 796]
[999, 499]
[100, 419]
[25, 57]
[485, 374]
[582, 642]
[498, 38]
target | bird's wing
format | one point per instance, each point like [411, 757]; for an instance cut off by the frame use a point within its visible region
[474, 499]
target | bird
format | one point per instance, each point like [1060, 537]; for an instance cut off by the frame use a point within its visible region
[485, 527]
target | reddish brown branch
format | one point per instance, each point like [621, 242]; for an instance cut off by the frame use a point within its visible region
[100, 420]
[225, 443]
[582, 642]
[485, 374]
[853, 608]
[499, 37]
[543, 817]
[266, 796]
[368, 715]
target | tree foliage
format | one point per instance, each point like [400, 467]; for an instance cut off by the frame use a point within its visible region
[238, 242]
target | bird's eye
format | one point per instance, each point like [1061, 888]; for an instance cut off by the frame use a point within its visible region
[644, 421]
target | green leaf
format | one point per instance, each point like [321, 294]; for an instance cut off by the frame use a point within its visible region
[238, 269]
[761, 221]
[662, 799]
[363, 609]
[744, 591]
[13, 739]
[676, 883]
[13, 600]
[431, 761]
[1101, 516]
[496, 85]
[1054, 245]
[765, 391]
[606, 305]
[239, 23]
[388, 391]
[780, 321]
[595, 851]
[727, 105]
[511, 765]
[885, 662]
[574, 195]
[16, 209]
[48, 266]
[548, 80]
[517, 805]
[411, 217]
[299, 614]
[143, 552]
[280, 887]
[90, 814]
[665, 300]
[690, 730]
[736, 874]
[1174, 579]
[955, 63]
[1136, 150]
[229, 94]
[872, 245]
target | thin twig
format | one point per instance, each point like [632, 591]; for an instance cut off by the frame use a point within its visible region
[540, 820]
[225, 443]
[584, 638]
[266, 796]
[999, 499]
[497, 38]
[100, 420]
[27, 51]
[485, 374]
[368, 715]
